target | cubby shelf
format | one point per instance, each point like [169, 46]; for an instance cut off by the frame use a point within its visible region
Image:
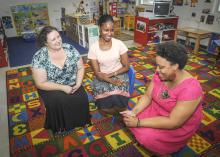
[155, 30]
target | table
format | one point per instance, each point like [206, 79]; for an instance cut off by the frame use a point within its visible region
[217, 42]
[195, 33]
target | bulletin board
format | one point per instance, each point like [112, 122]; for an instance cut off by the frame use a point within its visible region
[30, 17]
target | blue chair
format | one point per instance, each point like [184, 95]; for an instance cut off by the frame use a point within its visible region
[131, 76]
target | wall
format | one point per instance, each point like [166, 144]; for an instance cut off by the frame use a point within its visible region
[54, 8]
[185, 16]
[186, 20]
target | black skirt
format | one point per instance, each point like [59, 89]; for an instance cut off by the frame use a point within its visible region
[65, 111]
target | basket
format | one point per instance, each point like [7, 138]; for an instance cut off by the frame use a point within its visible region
[29, 36]
[84, 19]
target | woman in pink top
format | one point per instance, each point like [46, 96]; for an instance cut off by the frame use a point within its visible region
[170, 111]
[109, 61]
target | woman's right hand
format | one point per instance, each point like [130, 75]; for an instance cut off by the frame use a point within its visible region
[117, 82]
[128, 113]
[67, 89]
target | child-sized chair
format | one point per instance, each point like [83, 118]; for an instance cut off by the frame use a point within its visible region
[131, 75]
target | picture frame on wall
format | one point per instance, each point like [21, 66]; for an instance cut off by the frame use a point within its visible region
[202, 18]
[178, 2]
[7, 22]
[210, 19]
[141, 26]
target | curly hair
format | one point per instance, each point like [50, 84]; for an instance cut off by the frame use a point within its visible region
[174, 53]
[42, 36]
[104, 19]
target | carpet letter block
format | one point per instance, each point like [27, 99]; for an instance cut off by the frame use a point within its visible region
[88, 135]
[17, 108]
[13, 84]
[139, 76]
[118, 139]
[33, 104]
[92, 106]
[18, 118]
[207, 118]
[77, 152]
[48, 150]
[19, 129]
[30, 96]
[28, 89]
[20, 142]
[12, 76]
[88, 88]
[215, 92]
[96, 148]
[198, 144]
[26, 81]
[13, 71]
[39, 136]
[14, 96]
[27, 153]
[69, 142]
[106, 126]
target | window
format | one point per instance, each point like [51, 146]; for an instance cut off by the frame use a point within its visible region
[147, 2]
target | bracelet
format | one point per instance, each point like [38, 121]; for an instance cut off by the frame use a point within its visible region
[138, 123]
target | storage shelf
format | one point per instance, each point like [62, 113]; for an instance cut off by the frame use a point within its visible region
[164, 30]
[155, 30]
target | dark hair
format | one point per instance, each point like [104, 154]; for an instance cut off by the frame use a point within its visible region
[174, 53]
[42, 36]
[104, 19]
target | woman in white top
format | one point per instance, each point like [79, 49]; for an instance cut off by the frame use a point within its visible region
[110, 63]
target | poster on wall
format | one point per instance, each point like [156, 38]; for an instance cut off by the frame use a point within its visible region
[178, 2]
[141, 26]
[210, 19]
[40, 15]
[29, 17]
[22, 18]
[7, 22]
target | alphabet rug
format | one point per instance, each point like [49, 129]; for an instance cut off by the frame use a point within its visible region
[26, 115]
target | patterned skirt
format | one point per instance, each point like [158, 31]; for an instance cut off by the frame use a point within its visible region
[108, 95]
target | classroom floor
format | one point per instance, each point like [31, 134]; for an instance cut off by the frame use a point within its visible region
[4, 146]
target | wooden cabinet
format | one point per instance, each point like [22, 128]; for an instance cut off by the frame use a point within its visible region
[129, 22]
[117, 26]
[3, 47]
[155, 29]
[72, 27]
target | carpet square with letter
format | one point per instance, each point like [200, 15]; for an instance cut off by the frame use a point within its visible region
[104, 137]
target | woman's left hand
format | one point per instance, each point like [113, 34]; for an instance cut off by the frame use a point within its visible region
[130, 121]
[75, 88]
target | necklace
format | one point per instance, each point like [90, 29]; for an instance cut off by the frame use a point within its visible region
[164, 94]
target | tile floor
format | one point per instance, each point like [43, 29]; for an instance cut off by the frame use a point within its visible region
[4, 143]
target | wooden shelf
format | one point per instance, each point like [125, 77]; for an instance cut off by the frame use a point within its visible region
[155, 30]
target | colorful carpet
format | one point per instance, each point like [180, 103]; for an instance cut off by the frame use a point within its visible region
[26, 115]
